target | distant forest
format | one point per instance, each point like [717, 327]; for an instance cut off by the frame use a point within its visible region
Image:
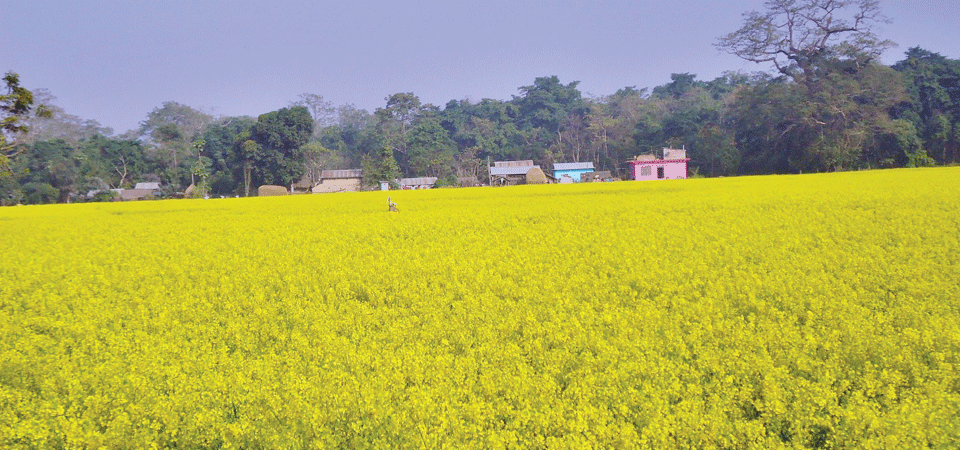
[827, 105]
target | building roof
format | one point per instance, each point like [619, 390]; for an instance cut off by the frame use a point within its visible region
[420, 181]
[342, 173]
[135, 194]
[511, 170]
[658, 161]
[573, 166]
[520, 163]
[148, 185]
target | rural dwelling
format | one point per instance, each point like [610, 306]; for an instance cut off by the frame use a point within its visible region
[141, 191]
[304, 186]
[504, 173]
[343, 180]
[153, 186]
[418, 183]
[673, 166]
[598, 176]
[573, 170]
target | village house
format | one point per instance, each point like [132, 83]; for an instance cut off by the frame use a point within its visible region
[597, 176]
[673, 166]
[572, 170]
[418, 183]
[342, 180]
[140, 191]
[303, 186]
[505, 173]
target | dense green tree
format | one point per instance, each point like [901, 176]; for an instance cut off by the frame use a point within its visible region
[380, 166]
[168, 132]
[16, 107]
[552, 118]
[396, 119]
[119, 163]
[50, 163]
[430, 150]
[933, 83]
[280, 136]
[223, 146]
[716, 151]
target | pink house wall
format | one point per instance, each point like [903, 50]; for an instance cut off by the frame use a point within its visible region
[672, 169]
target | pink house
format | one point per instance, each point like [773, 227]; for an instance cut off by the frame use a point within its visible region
[673, 166]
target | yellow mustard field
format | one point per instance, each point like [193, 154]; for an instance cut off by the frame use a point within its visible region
[811, 311]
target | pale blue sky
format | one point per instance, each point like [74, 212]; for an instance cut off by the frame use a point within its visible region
[116, 60]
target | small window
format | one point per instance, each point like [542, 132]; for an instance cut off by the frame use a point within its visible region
[659, 172]
[645, 171]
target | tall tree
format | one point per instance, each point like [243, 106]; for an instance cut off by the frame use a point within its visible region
[934, 106]
[280, 135]
[798, 36]
[552, 115]
[169, 130]
[16, 107]
[323, 112]
[835, 104]
[58, 124]
[431, 151]
[123, 160]
[396, 119]
[224, 141]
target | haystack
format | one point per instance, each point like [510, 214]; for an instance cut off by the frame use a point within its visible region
[268, 190]
[536, 176]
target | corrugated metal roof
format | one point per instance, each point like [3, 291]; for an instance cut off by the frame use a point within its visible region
[342, 173]
[135, 194]
[519, 163]
[573, 166]
[516, 170]
[420, 181]
[147, 185]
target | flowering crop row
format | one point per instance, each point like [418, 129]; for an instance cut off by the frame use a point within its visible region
[813, 311]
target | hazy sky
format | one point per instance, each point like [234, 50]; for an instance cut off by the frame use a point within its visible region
[116, 60]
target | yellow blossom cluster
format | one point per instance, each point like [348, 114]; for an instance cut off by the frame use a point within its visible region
[811, 311]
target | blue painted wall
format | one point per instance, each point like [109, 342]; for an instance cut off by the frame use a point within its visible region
[575, 173]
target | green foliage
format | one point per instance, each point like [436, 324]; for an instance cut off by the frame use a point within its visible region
[280, 136]
[380, 167]
[39, 193]
[16, 106]
[430, 151]
[934, 106]
[834, 108]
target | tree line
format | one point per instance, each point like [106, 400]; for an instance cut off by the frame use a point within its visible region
[827, 105]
